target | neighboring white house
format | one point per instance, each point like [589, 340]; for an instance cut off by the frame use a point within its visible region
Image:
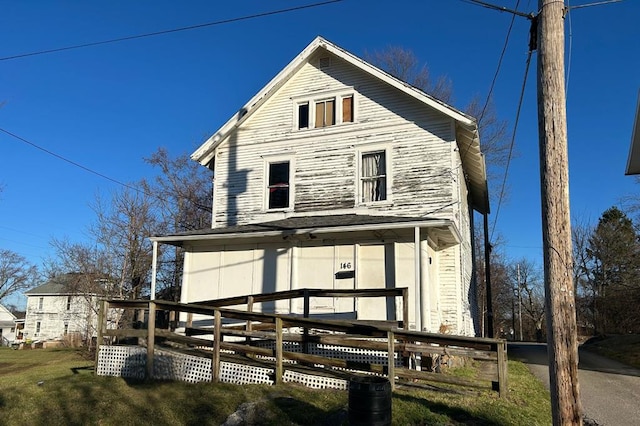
[338, 175]
[61, 307]
[7, 327]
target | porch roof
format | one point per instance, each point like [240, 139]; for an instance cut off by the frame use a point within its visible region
[310, 225]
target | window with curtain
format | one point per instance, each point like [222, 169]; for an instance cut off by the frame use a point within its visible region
[278, 185]
[325, 113]
[373, 177]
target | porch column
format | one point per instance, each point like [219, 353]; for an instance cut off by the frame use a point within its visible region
[154, 264]
[418, 279]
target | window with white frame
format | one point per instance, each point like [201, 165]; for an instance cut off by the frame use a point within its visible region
[278, 184]
[40, 303]
[373, 176]
[325, 111]
[68, 303]
[37, 328]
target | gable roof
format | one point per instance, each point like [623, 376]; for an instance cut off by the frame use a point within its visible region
[633, 163]
[466, 126]
[64, 284]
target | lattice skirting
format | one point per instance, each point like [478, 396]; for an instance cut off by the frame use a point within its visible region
[130, 362]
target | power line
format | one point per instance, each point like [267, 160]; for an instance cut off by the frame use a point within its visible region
[173, 30]
[495, 76]
[60, 157]
[513, 138]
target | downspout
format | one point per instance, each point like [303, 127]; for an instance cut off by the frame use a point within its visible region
[154, 265]
[418, 280]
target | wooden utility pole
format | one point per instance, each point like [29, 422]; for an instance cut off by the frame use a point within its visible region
[556, 225]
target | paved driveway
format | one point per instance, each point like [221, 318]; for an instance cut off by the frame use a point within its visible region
[610, 391]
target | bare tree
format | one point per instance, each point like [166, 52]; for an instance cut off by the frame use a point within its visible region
[182, 197]
[16, 273]
[404, 65]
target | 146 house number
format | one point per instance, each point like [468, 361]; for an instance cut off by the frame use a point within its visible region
[345, 265]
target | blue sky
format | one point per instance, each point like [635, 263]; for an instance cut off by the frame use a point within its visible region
[109, 106]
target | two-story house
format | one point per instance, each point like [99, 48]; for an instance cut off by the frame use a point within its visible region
[63, 306]
[338, 175]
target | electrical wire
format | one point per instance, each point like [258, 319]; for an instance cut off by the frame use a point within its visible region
[60, 157]
[513, 138]
[174, 30]
[495, 76]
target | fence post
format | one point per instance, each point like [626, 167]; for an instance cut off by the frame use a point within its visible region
[102, 314]
[305, 314]
[279, 349]
[249, 326]
[391, 372]
[151, 337]
[217, 334]
[503, 388]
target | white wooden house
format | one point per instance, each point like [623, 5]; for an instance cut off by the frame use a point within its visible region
[7, 326]
[61, 307]
[338, 175]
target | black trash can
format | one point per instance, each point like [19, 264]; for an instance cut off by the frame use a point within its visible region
[369, 400]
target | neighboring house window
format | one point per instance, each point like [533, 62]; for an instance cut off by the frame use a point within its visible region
[37, 328]
[325, 110]
[40, 303]
[278, 185]
[66, 329]
[373, 176]
[68, 303]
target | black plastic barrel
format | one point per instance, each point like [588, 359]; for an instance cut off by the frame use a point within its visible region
[369, 400]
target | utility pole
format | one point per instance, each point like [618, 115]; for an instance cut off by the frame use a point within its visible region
[519, 303]
[556, 226]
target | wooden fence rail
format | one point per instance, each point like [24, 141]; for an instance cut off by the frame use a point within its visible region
[266, 337]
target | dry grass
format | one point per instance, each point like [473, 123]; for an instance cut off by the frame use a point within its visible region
[57, 386]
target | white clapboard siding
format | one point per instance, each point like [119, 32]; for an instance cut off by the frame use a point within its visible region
[326, 160]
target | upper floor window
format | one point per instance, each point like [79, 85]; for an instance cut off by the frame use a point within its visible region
[325, 111]
[373, 176]
[40, 302]
[278, 184]
[68, 303]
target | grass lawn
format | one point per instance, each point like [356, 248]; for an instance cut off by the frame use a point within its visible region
[57, 386]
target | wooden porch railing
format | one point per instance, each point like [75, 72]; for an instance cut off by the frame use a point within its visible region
[276, 328]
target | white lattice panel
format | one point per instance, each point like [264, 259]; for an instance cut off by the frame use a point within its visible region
[130, 362]
[315, 382]
[188, 368]
[244, 374]
[122, 361]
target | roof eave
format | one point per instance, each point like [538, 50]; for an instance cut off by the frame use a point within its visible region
[181, 239]
[205, 153]
[633, 162]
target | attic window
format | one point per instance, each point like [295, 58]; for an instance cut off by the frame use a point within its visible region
[325, 62]
[324, 110]
[303, 115]
[326, 113]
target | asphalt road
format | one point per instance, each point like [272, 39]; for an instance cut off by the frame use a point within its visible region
[609, 390]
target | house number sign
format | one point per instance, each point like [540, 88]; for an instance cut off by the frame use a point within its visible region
[346, 265]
